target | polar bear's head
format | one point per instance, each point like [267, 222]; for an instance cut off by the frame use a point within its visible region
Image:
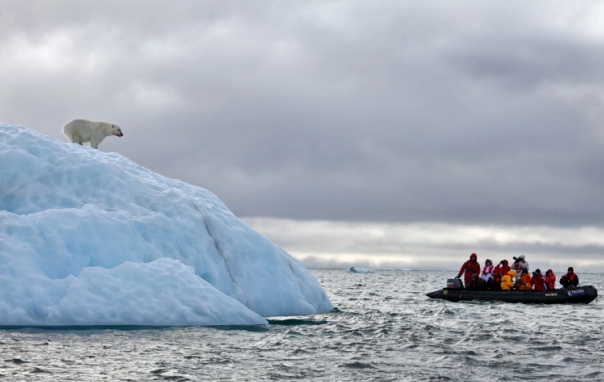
[115, 130]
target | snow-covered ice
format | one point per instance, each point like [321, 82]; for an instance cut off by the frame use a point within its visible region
[91, 238]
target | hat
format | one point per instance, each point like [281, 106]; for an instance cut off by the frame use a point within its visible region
[521, 257]
[488, 261]
[512, 272]
[570, 269]
[473, 255]
[549, 271]
[537, 270]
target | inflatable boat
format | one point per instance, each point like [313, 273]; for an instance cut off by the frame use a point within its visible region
[578, 295]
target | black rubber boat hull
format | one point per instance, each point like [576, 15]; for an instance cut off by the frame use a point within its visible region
[579, 295]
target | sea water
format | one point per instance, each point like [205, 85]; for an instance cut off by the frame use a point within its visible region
[383, 329]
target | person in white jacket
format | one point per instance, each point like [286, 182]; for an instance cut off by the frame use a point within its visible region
[519, 265]
[487, 272]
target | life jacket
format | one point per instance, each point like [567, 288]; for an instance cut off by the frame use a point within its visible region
[524, 282]
[571, 279]
[550, 281]
[470, 268]
[538, 282]
[487, 272]
[500, 271]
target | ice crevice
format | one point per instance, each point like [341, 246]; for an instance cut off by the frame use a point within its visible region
[218, 250]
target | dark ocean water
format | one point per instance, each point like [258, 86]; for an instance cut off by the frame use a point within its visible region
[384, 329]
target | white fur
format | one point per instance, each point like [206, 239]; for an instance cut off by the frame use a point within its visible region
[82, 130]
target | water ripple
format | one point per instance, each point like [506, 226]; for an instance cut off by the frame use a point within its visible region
[384, 328]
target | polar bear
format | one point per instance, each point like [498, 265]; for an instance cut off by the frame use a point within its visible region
[82, 130]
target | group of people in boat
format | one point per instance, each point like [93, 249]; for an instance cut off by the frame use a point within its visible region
[515, 276]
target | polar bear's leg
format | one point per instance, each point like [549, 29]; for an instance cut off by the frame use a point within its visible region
[95, 140]
[74, 137]
[73, 133]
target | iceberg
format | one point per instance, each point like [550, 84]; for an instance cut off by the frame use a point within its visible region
[92, 238]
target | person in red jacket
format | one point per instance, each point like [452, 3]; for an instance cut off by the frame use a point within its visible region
[550, 279]
[570, 279]
[500, 270]
[538, 281]
[471, 268]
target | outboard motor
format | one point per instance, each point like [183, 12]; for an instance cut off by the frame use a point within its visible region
[454, 284]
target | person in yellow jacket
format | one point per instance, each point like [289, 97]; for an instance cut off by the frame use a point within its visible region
[506, 280]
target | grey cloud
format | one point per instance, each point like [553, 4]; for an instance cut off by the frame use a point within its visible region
[382, 111]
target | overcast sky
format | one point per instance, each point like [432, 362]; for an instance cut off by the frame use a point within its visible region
[406, 133]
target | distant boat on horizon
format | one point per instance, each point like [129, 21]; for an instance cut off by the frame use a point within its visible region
[360, 270]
